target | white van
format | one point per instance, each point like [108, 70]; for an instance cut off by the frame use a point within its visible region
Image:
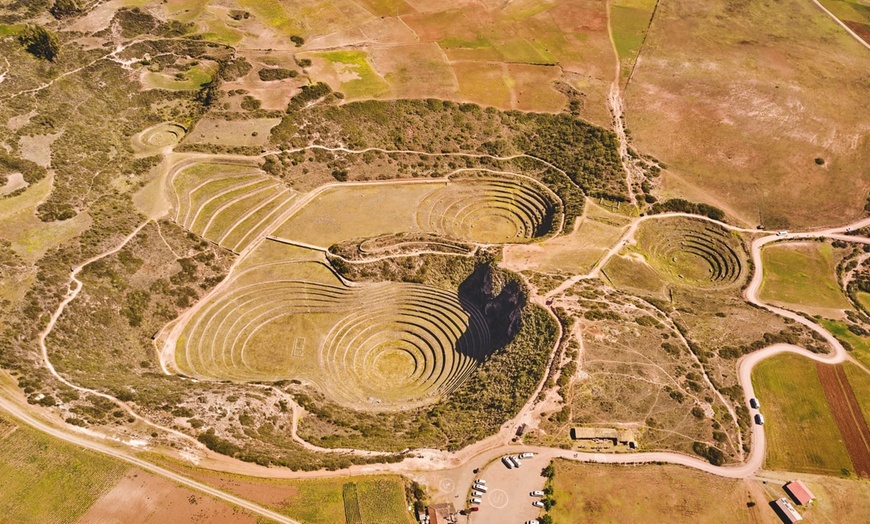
[526, 455]
[515, 461]
[507, 463]
[478, 487]
[476, 493]
[480, 481]
[475, 500]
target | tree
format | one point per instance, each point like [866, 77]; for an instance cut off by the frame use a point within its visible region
[40, 42]
[63, 8]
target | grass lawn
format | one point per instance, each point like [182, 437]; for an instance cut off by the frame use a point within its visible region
[43, 480]
[802, 274]
[864, 300]
[801, 432]
[674, 494]
[860, 345]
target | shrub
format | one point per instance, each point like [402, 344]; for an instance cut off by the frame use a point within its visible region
[64, 8]
[276, 73]
[820, 161]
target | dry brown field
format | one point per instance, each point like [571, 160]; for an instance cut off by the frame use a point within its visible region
[143, 498]
[738, 98]
[847, 413]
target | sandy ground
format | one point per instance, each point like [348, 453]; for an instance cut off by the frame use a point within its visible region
[141, 498]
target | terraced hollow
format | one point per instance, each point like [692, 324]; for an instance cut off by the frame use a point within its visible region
[380, 346]
[490, 210]
[693, 252]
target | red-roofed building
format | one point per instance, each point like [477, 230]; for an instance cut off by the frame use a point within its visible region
[800, 492]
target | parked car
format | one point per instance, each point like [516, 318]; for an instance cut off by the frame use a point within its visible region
[474, 508]
[515, 461]
[753, 403]
[538, 504]
[759, 419]
[480, 481]
[526, 455]
[476, 493]
[507, 463]
[538, 493]
[475, 500]
[479, 487]
[533, 521]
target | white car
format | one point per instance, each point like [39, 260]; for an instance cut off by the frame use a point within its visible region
[533, 522]
[475, 500]
[507, 463]
[538, 493]
[480, 481]
[526, 455]
[478, 487]
[515, 461]
[476, 493]
[538, 504]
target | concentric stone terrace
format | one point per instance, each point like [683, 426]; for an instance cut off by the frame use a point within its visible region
[228, 204]
[379, 346]
[693, 252]
[490, 209]
[159, 136]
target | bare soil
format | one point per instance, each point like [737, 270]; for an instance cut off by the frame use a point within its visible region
[142, 498]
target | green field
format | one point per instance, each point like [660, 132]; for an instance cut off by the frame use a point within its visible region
[860, 382]
[802, 275]
[860, 345]
[629, 20]
[358, 79]
[609, 494]
[800, 430]
[44, 480]
[864, 300]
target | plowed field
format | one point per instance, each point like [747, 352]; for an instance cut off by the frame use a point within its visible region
[848, 415]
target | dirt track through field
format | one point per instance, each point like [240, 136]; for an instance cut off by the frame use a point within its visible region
[847, 413]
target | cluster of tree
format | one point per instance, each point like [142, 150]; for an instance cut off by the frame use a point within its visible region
[678, 205]
[309, 93]
[40, 42]
[588, 154]
[713, 454]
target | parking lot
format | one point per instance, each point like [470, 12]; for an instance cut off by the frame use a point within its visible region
[507, 500]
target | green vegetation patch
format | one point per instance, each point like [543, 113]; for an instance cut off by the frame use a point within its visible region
[859, 379]
[802, 274]
[45, 480]
[358, 78]
[629, 21]
[858, 345]
[800, 429]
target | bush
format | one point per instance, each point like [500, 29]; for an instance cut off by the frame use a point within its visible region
[820, 161]
[276, 73]
[40, 42]
[64, 8]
